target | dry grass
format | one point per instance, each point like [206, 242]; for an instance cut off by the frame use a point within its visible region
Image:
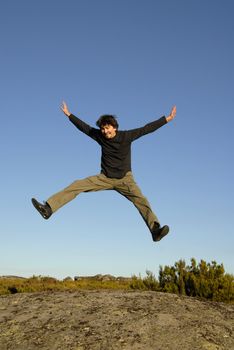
[38, 284]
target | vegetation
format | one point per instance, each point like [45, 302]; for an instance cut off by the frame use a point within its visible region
[147, 283]
[39, 284]
[205, 280]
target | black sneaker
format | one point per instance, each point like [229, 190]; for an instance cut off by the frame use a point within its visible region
[44, 209]
[159, 232]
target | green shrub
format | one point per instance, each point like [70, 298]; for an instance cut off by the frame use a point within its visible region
[147, 283]
[205, 280]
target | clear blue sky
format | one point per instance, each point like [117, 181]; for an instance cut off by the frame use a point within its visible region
[135, 59]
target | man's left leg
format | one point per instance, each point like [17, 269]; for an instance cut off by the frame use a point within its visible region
[129, 189]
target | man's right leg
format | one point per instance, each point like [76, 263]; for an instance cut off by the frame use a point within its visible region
[92, 183]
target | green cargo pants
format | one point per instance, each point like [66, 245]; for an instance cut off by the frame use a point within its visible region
[125, 186]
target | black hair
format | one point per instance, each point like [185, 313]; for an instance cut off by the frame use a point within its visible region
[107, 119]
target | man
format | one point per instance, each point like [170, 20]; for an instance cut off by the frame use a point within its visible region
[116, 169]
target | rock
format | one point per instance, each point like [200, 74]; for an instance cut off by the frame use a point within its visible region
[106, 278]
[98, 277]
[113, 320]
[67, 279]
[13, 290]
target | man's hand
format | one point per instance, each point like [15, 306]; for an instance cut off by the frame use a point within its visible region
[64, 108]
[172, 114]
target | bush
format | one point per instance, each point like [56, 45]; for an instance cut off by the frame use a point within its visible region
[203, 280]
[147, 283]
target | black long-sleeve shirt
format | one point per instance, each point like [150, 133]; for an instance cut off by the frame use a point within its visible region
[116, 151]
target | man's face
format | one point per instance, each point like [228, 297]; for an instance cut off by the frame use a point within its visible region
[108, 131]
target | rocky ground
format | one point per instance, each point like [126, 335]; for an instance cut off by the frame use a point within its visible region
[106, 320]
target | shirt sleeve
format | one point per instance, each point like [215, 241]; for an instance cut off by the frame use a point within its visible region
[148, 128]
[84, 127]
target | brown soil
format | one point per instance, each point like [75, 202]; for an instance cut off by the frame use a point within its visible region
[106, 320]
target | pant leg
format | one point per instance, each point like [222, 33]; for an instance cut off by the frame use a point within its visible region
[129, 189]
[91, 183]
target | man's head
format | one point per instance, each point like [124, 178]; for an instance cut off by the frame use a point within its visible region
[108, 125]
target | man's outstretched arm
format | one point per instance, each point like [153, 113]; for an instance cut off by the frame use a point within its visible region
[151, 127]
[65, 109]
[172, 115]
[80, 124]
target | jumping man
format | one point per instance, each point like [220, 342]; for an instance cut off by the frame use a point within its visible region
[116, 173]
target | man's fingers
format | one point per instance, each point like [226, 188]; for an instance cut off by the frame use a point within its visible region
[63, 106]
[173, 112]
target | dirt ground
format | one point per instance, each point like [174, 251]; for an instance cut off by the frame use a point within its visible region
[106, 320]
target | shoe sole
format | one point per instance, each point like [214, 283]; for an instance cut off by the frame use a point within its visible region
[164, 232]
